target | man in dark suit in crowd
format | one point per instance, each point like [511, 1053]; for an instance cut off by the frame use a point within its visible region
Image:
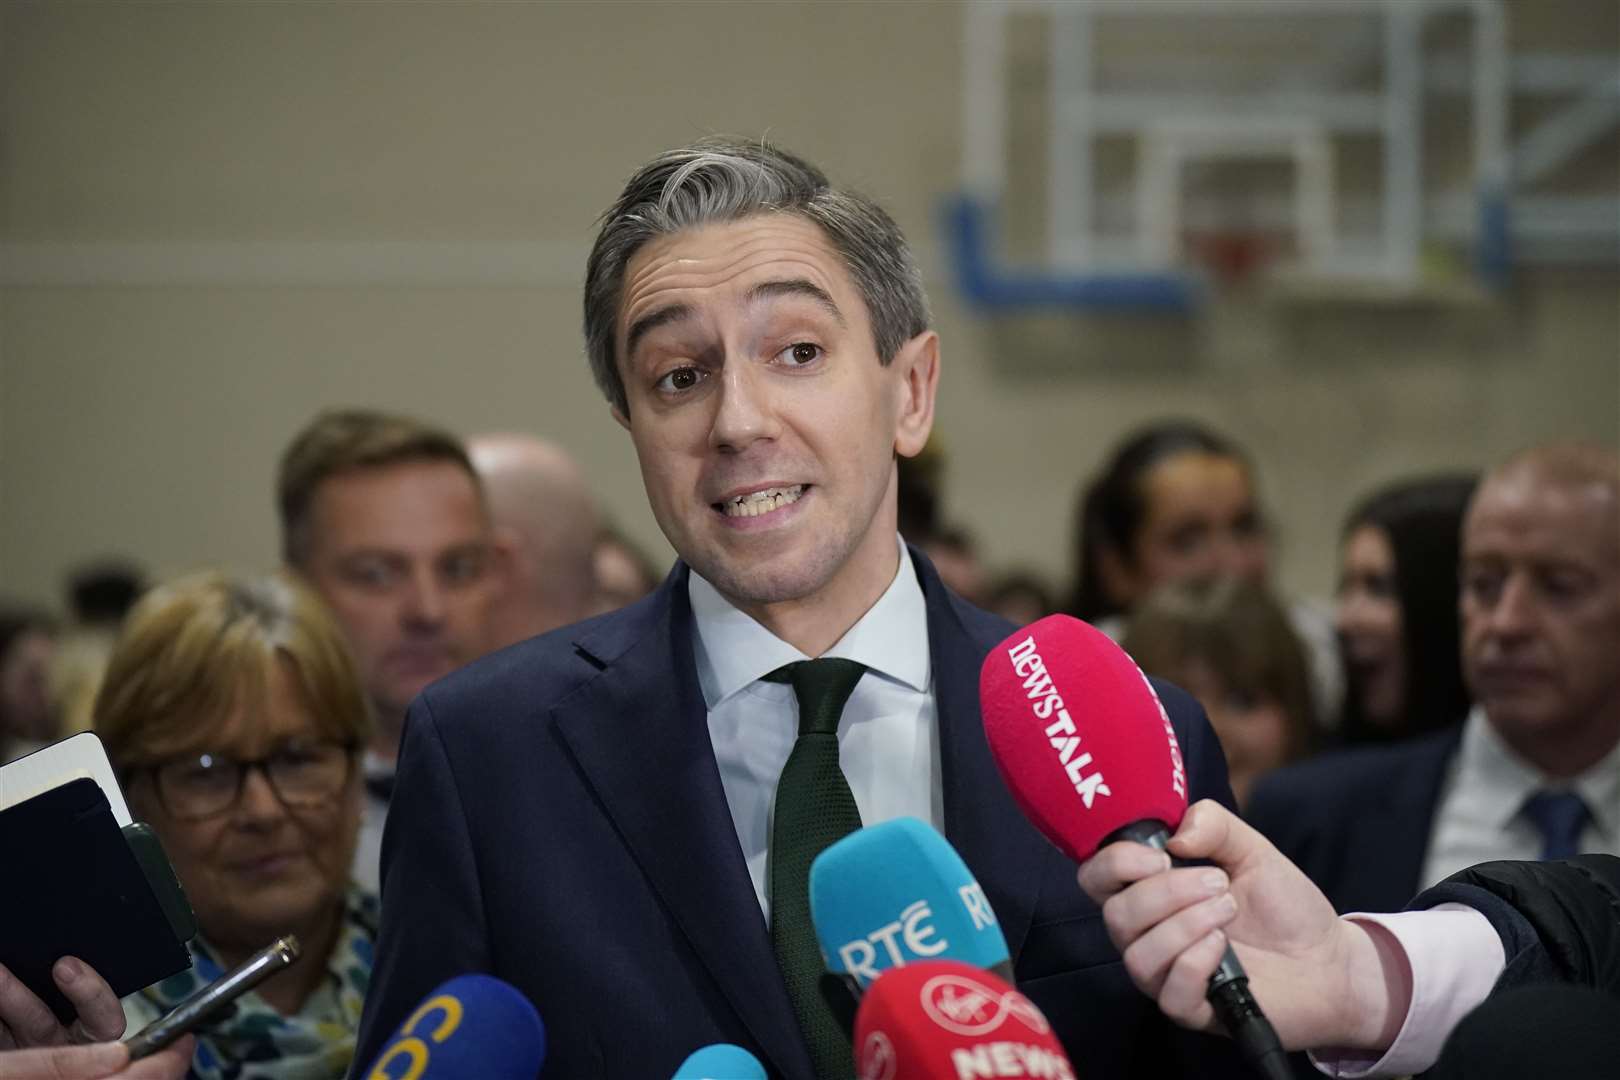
[384, 516]
[596, 815]
[1535, 770]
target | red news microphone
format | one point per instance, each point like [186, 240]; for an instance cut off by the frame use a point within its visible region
[1090, 756]
[944, 1020]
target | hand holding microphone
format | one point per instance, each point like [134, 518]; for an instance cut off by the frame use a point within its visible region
[1325, 981]
[1091, 757]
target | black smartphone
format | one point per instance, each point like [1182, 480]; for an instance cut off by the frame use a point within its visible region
[76, 887]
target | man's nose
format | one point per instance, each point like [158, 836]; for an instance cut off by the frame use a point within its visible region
[1513, 614]
[744, 412]
[424, 599]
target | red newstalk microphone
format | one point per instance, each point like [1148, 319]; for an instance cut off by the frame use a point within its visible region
[1090, 755]
[944, 1020]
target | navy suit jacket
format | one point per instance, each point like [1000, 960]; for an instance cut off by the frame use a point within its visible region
[1358, 822]
[559, 822]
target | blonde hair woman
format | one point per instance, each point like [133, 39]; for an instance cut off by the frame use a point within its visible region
[233, 714]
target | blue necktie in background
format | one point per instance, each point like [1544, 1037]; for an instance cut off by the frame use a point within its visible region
[1559, 816]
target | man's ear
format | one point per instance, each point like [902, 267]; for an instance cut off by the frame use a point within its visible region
[916, 367]
[618, 415]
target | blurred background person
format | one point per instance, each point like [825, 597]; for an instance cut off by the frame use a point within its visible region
[235, 717]
[386, 518]
[1020, 597]
[99, 595]
[1534, 770]
[28, 713]
[546, 523]
[624, 574]
[955, 555]
[1396, 611]
[1176, 501]
[1227, 642]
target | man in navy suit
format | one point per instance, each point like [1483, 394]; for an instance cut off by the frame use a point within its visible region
[587, 815]
[1534, 772]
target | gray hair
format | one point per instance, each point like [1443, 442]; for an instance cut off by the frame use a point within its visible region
[719, 180]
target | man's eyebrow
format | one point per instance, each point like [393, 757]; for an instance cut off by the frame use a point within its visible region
[652, 321]
[797, 287]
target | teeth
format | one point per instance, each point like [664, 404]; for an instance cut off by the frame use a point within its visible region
[761, 502]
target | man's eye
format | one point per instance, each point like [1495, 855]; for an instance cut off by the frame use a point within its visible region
[679, 380]
[369, 574]
[463, 567]
[1482, 586]
[801, 353]
[1562, 585]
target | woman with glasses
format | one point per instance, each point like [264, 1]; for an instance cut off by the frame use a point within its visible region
[233, 714]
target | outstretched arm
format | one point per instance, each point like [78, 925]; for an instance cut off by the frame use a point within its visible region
[1322, 981]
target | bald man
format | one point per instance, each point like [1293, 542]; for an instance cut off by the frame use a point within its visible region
[1534, 772]
[546, 526]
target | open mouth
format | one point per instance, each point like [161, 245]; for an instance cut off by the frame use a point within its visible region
[756, 503]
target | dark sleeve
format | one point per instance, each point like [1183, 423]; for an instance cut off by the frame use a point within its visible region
[1201, 751]
[1559, 921]
[432, 926]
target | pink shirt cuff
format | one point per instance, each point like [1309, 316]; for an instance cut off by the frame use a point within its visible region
[1455, 957]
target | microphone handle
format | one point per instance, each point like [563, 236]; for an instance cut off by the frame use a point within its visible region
[1228, 993]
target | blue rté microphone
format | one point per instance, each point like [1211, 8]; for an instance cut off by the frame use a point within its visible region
[474, 1027]
[722, 1061]
[893, 893]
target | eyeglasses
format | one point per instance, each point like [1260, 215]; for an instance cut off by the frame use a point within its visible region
[302, 774]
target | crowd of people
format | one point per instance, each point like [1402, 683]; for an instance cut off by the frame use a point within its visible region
[1459, 703]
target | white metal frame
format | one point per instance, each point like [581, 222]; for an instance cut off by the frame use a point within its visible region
[1169, 146]
[1293, 117]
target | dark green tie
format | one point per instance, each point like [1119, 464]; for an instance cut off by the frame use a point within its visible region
[814, 808]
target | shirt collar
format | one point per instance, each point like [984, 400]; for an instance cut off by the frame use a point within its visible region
[1499, 780]
[734, 651]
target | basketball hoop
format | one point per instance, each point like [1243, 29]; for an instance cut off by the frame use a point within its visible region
[1232, 256]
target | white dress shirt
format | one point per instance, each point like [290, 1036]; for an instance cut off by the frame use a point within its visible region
[1453, 959]
[367, 867]
[888, 742]
[1477, 818]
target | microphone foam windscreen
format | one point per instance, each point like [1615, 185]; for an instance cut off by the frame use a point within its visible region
[893, 893]
[942, 1020]
[722, 1061]
[1079, 735]
[474, 1027]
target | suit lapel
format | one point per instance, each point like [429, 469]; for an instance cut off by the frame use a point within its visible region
[639, 732]
[1393, 845]
[1408, 816]
[982, 822]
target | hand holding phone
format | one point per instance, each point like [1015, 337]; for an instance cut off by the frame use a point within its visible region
[26, 1021]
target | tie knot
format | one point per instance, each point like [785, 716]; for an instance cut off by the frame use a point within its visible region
[1559, 816]
[822, 687]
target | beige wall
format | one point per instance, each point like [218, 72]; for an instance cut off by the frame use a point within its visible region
[222, 217]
